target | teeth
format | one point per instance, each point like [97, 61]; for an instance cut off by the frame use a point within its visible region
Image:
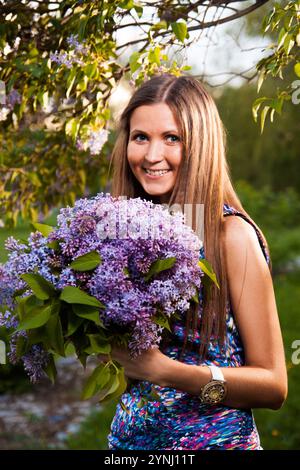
[156, 172]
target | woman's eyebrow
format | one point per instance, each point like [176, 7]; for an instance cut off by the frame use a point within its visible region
[163, 133]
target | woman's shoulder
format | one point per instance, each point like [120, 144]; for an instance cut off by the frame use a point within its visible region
[239, 236]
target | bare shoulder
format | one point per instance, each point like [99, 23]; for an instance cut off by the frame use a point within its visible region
[237, 233]
[240, 242]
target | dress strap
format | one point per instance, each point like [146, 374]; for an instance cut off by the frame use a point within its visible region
[229, 210]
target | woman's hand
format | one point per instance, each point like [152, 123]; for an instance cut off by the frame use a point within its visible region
[151, 365]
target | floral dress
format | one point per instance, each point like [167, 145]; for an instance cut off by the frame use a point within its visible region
[179, 420]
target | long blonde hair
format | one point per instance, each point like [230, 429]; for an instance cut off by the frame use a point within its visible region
[203, 166]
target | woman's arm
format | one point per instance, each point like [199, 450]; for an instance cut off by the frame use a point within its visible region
[262, 382]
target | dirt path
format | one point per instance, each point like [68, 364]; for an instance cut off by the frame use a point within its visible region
[43, 417]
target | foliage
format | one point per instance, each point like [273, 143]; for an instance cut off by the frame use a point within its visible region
[59, 64]
[280, 430]
[93, 431]
[270, 159]
[285, 22]
[278, 215]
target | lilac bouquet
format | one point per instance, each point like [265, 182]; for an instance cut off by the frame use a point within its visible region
[113, 271]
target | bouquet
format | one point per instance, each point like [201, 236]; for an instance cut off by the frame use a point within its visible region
[113, 271]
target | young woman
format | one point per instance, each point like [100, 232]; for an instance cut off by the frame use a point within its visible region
[227, 356]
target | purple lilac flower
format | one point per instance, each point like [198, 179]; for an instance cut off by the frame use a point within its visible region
[13, 98]
[80, 48]
[129, 236]
[95, 141]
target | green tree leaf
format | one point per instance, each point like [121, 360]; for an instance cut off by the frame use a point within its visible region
[44, 229]
[86, 262]
[160, 265]
[50, 369]
[42, 288]
[35, 318]
[180, 30]
[74, 322]
[99, 377]
[99, 345]
[55, 334]
[74, 295]
[208, 270]
[87, 312]
[161, 320]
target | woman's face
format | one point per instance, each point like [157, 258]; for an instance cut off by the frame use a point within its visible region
[154, 149]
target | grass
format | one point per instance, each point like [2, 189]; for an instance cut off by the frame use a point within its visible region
[93, 431]
[281, 429]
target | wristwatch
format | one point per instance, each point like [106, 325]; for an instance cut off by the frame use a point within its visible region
[214, 391]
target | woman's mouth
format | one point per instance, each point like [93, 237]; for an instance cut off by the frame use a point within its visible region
[156, 173]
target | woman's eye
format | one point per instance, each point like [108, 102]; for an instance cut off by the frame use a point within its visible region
[138, 135]
[174, 137]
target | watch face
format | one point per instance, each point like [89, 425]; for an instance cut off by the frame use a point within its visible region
[213, 392]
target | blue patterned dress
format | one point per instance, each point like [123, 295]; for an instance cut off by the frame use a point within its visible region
[178, 421]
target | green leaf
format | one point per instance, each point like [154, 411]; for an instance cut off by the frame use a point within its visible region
[208, 270]
[161, 320]
[50, 369]
[90, 70]
[25, 304]
[195, 298]
[160, 265]
[54, 245]
[36, 317]
[261, 78]
[263, 118]
[115, 387]
[55, 334]
[44, 229]
[180, 30]
[154, 55]
[135, 61]
[74, 323]
[74, 295]
[256, 105]
[72, 128]
[42, 288]
[139, 10]
[21, 346]
[87, 312]
[99, 377]
[160, 25]
[297, 69]
[99, 345]
[86, 262]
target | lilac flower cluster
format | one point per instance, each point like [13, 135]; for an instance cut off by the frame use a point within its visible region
[11, 100]
[74, 55]
[129, 235]
[95, 141]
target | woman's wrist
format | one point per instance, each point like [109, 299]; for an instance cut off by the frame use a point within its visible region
[189, 378]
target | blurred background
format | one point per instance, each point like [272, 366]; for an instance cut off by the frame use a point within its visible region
[265, 170]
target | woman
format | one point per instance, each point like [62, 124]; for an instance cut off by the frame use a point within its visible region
[171, 149]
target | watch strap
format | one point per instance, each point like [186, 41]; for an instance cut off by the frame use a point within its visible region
[216, 373]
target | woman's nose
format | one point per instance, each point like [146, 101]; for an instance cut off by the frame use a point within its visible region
[155, 152]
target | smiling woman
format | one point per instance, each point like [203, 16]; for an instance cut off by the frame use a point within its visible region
[225, 355]
[154, 149]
